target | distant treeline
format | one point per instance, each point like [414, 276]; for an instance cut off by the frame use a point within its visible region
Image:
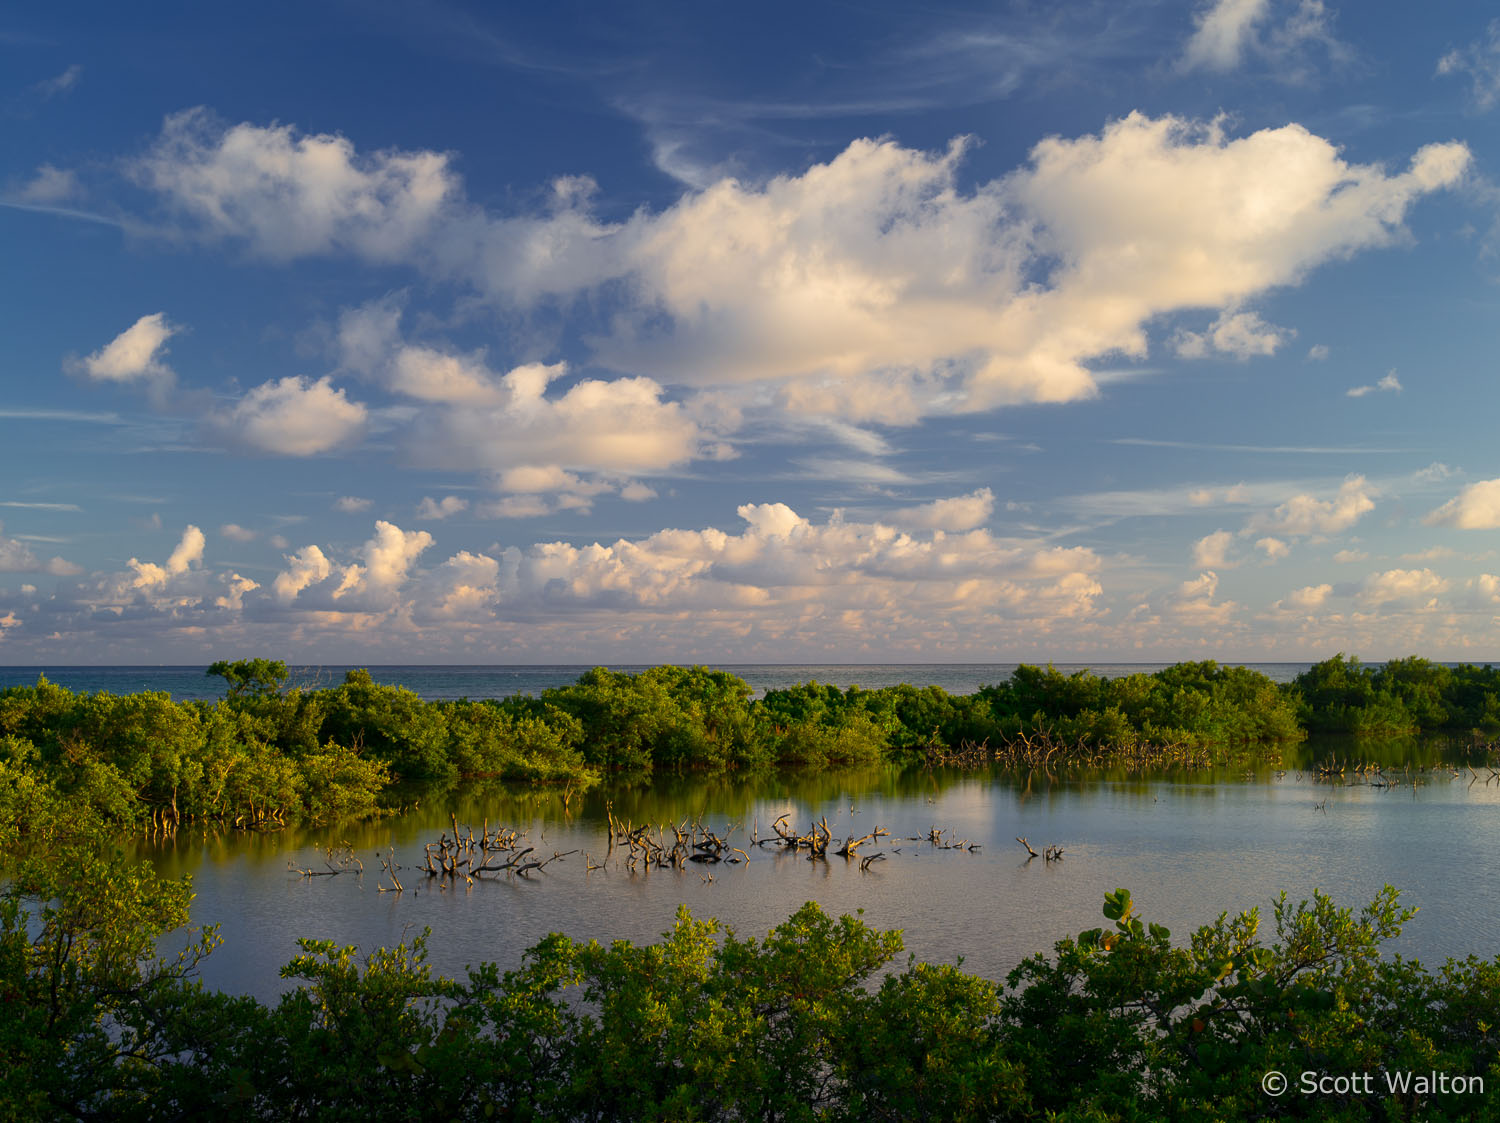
[1119, 1024]
[268, 752]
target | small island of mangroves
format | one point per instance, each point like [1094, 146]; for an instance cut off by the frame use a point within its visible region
[817, 1019]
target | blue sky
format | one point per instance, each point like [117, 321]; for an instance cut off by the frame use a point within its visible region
[865, 332]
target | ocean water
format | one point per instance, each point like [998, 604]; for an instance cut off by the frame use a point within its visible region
[444, 683]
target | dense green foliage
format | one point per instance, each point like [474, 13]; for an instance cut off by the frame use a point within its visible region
[677, 717]
[811, 1023]
[260, 677]
[84, 998]
[267, 753]
[1401, 696]
[1194, 703]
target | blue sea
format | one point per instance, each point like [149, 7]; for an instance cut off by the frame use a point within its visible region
[444, 683]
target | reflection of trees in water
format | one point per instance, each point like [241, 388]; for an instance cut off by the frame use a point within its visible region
[750, 798]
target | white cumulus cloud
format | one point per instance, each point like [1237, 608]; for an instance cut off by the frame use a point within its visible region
[961, 512]
[371, 582]
[446, 507]
[17, 557]
[133, 355]
[1307, 514]
[1401, 585]
[1274, 548]
[779, 574]
[517, 427]
[286, 195]
[872, 287]
[1308, 597]
[1195, 603]
[294, 416]
[1476, 507]
[1484, 590]
[306, 567]
[1212, 551]
[1241, 335]
[187, 554]
[461, 590]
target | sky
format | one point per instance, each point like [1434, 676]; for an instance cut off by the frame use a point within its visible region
[859, 332]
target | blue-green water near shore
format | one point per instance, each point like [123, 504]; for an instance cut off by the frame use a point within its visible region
[442, 683]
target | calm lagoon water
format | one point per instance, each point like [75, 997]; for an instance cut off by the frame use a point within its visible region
[1187, 847]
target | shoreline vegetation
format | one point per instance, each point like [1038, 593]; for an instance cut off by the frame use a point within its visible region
[816, 1021]
[268, 753]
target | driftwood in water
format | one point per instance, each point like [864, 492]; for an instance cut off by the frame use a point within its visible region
[388, 867]
[336, 860]
[1048, 854]
[815, 841]
[490, 853]
[851, 843]
[818, 841]
[967, 755]
[672, 845]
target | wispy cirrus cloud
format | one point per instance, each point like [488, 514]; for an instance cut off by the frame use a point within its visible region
[1291, 39]
[39, 506]
[58, 84]
[1390, 384]
[49, 185]
[86, 416]
[1480, 63]
[1267, 450]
